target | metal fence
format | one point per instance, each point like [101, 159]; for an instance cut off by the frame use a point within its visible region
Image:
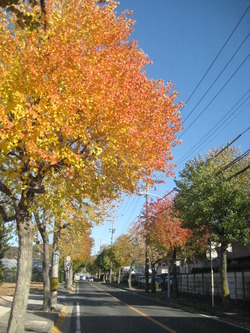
[200, 283]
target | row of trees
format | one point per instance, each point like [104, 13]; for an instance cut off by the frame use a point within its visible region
[80, 123]
[210, 204]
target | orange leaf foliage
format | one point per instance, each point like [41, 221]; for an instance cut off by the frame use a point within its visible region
[74, 98]
[164, 229]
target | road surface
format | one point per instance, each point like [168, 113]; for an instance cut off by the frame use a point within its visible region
[98, 308]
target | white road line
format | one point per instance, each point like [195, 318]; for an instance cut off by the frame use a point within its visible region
[78, 324]
[225, 322]
[77, 288]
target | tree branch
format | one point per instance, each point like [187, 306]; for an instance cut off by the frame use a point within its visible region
[4, 215]
[4, 189]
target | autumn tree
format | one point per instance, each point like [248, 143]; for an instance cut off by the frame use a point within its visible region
[122, 250]
[74, 102]
[165, 235]
[136, 239]
[75, 241]
[213, 198]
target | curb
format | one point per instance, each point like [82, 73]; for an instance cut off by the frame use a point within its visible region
[55, 328]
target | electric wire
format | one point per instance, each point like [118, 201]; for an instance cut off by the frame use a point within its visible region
[230, 143]
[216, 79]
[215, 128]
[125, 206]
[223, 128]
[217, 56]
[131, 214]
[212, 138]
[230, 164]
[239, 172]
[215, 96]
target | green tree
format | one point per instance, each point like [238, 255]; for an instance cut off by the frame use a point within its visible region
[213, 197]
[103, 261]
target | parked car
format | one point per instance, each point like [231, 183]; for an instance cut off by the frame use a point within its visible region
[136, 278]
[90, 278]
[142, 281]
[165, 281]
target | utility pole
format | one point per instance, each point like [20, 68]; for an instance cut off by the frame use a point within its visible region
[112, 230]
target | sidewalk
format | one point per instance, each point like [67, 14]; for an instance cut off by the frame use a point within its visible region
[36, 321]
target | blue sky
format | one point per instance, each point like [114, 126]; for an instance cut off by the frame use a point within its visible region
[186, 40]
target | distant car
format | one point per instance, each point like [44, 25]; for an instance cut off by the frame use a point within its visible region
[91, 278]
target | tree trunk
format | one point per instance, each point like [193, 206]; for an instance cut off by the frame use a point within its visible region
[46, 261]
[46, 276]
[119, 276]
[153, 289]
[175, 283]
[26, 232]
[54, 270]
[168, 264]
[129, 276]
[223, 274]
[110, 274]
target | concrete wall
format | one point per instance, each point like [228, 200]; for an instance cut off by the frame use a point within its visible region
[200, 283]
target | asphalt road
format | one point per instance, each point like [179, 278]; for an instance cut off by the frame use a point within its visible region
[103, 309]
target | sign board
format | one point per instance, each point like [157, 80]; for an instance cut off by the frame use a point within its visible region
[68, 258]
[54, 284]
[67, 264]
[214, 254]
[56, 256]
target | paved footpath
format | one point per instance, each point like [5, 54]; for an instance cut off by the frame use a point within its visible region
[36, 320]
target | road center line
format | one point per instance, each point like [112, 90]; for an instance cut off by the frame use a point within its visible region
[166, 328]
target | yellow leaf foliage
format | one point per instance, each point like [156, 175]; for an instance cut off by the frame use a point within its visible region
[74, 99]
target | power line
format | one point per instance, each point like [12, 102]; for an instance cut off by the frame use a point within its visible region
[230, 164]
[217, 77]
[229, 144]
[224, 127]
[238, 173]
[126, 204]
[215, 96]
[216, 127]
[217, 56]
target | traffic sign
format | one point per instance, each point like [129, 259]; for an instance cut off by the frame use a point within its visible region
[68, 264]
[68, 258]
[212, 254]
